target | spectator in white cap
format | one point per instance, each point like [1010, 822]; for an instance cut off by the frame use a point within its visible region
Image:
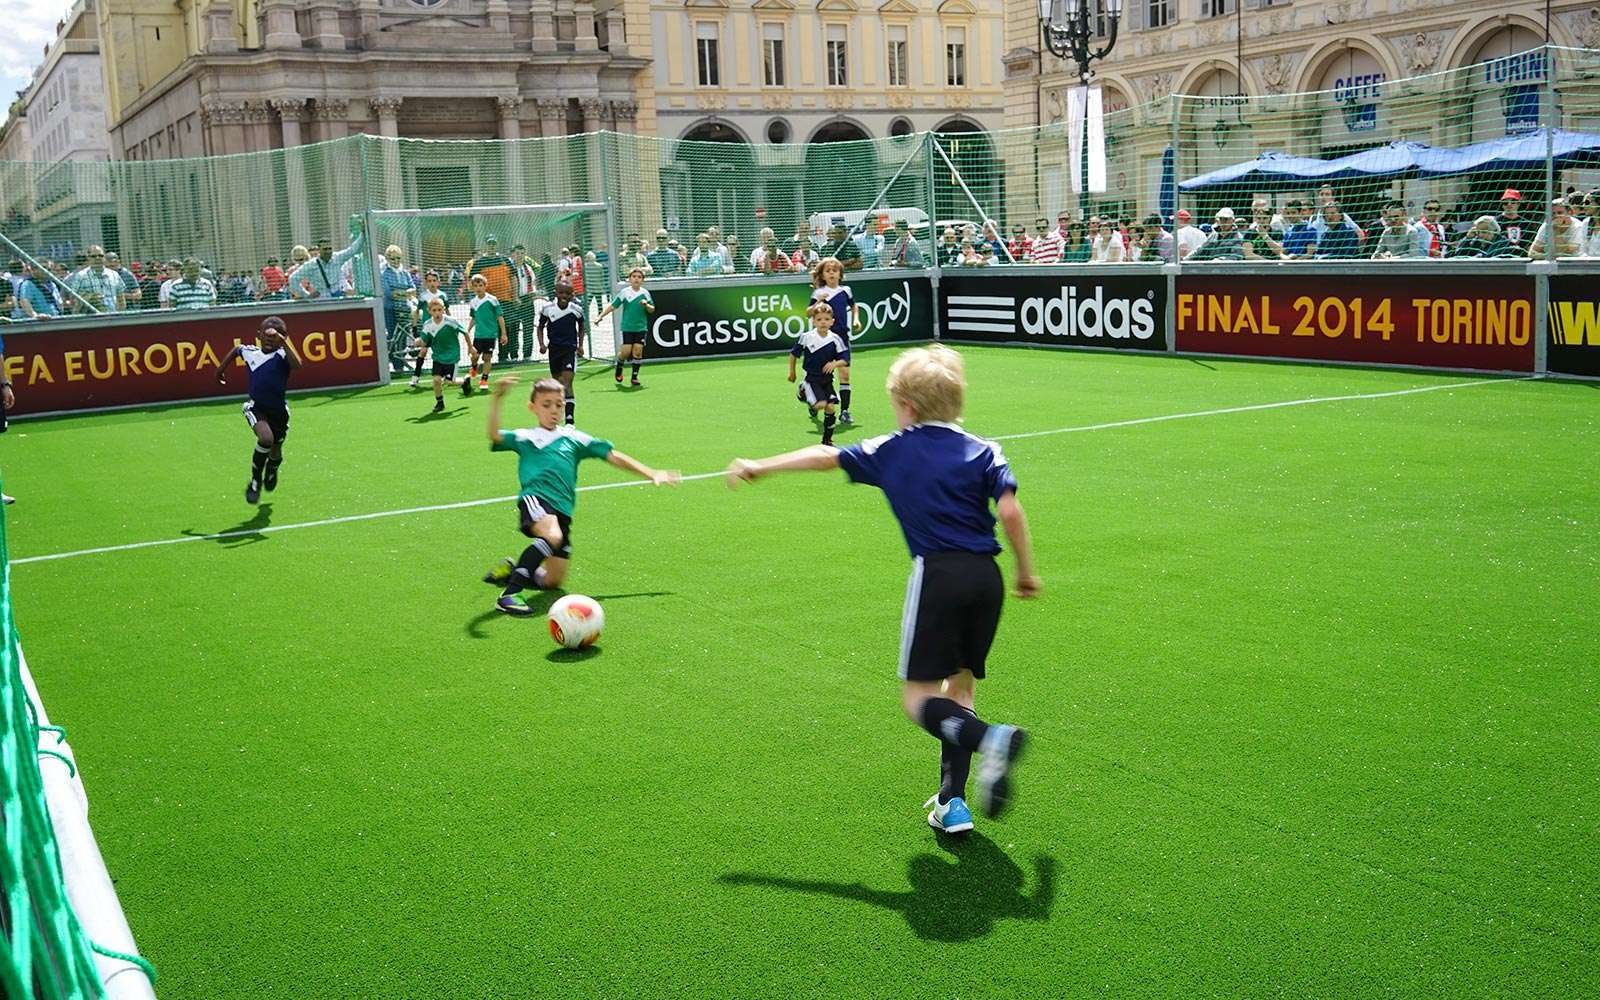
[1226, 243]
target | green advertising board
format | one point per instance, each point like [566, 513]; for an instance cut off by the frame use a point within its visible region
[710, 318]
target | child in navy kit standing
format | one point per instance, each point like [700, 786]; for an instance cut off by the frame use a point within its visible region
[825, 283]
[824, 353]
[939, 481]
[267, 409]
[562, 320]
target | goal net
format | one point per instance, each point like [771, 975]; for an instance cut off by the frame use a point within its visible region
[522, 252]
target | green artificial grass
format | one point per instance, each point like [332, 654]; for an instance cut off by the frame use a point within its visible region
[1312, 692]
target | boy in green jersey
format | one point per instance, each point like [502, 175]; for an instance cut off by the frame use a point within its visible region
[547, 467]
[486, 321]
[443, 335]
[634, 305]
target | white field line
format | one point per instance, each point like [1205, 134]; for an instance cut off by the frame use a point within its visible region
[351, 518]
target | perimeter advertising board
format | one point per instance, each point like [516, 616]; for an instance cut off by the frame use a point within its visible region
[700, 320]
[1574, 325]
[1057, 310]
[56, 366]
[1444, 320]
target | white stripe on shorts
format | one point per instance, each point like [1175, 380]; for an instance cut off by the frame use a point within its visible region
[535, 510]
[250, 412]
[908, 617]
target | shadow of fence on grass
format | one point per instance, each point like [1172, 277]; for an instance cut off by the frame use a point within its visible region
[950, 900]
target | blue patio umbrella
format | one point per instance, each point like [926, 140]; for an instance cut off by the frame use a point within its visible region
[1167, 195]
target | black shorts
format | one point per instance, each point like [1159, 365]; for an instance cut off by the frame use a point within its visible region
[818, 390]
[952, 610]
[277, 418]
[563, 358]
[444, 369]
[485, 348]
[531, 509]
[634, 336]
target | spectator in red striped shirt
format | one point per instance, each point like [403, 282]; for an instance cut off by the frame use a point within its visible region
[1021, 245]
[1048, 247]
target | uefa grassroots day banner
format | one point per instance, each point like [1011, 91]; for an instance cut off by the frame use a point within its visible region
[65, 365]
[1574, 325]
[1438, 320]
[696, 321]
[1081, 309]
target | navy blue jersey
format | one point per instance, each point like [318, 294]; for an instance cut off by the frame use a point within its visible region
[564, 326]
[269, 375]
[815, 352]
[841, 301]
[939, 481]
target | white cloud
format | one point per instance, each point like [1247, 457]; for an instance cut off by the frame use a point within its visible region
[30, 25]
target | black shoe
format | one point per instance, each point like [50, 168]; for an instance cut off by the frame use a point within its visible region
[466, 387]
[269, 480]
[438, 404]
[252, 492]
[636, 383]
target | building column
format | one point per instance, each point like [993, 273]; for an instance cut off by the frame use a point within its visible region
[499, 16]
[388, 111]
[510, 112]
[279, 31]
[594, 111]
[626, 115]
[219, 28]
[616, 31]
[584, 39]
[552, 117]
[325, 31]
[543, 13]
[292, 112]
[334, 112]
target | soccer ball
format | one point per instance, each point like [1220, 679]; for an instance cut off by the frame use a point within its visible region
[576, 621]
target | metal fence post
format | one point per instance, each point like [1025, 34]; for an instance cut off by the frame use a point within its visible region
[935, 271]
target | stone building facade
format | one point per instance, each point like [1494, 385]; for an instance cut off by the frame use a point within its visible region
[195, 79]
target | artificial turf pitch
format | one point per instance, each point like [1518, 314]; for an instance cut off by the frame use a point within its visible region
[1312, 690]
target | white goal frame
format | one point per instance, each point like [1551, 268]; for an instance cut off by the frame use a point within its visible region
[601, 208]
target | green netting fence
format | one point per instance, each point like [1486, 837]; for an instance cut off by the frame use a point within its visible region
[1445, 147]
[46, 954]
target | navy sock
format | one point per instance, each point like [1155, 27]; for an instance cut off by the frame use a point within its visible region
[636, 371]
[524, 575]
[619, 367]
[954, 766]
[572, 406]
[827, 428]
[844, 397]
[952, 724]
[258, 462]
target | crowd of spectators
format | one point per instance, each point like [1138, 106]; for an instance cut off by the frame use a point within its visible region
[1293, 229]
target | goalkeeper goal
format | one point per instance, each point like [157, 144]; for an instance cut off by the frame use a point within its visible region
[522, 251]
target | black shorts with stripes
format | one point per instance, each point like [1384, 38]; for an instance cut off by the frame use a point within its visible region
[951, 613]
[276, 417]
[531, 509]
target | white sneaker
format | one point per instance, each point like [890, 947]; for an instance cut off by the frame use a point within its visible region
[9, 498]
[997, 755]
[413, 381]
[952, 817]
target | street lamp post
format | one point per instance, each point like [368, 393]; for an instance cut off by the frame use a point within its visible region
[1068, 29]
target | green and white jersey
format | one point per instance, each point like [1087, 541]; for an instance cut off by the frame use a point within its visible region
[486, 314]
[631, 305]
[424, 297]
[444, 337]
[547, 462]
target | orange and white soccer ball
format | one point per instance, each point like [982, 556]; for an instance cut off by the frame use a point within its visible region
[576, 621]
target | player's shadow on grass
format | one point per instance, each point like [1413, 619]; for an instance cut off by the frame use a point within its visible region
[245, 533]
[540, 601]
[958, 901]
[432, 417]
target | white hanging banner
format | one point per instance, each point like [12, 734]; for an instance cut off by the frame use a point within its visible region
[1097, 142]
[1076, 97]
[1086, 115]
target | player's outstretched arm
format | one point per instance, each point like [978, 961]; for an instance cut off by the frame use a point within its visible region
[817, 458]
[661, 477]
[222, 366]
[1015, 523]
[496, 394]
[292, 355]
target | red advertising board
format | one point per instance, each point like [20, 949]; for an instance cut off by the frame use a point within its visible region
[1443, 320]
[143, 359]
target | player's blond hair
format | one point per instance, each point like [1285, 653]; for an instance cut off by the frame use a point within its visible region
[547, 385]
[932, 381]
[819, 309]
